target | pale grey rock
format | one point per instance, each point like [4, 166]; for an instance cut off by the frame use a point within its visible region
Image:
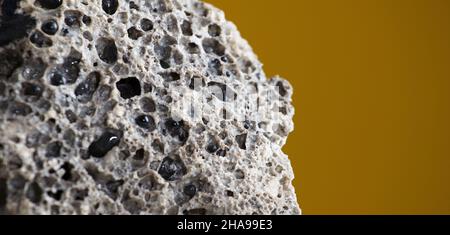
[156, 107]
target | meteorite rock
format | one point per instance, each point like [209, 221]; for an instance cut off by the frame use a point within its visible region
[137, 107]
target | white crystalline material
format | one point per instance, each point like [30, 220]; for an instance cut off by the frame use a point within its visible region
[156, 107]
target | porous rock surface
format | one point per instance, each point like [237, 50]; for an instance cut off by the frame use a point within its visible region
[137, 107]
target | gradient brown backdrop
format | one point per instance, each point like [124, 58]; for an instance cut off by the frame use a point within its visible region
[372, 96]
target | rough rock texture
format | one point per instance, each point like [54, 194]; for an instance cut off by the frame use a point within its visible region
[140, 107]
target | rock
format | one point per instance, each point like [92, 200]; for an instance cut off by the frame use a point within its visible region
[138, 107]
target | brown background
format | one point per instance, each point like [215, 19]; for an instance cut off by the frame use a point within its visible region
[371, 81]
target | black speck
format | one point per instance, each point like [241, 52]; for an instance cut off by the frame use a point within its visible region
[146, 121]
[129, 87]
[31, 89]
[216, 67]
[57, 79]
[19, 109]
[56, 195]
[49, 4]
[40, 40]
[71, 116]
[196, 211]
[80, 194]
[139, 155]
[3, 192]
[34, 192]
[72, 18]
[190, 190]
[221, 152]
[86, 89]
[171, 76]
[213, 46]
[100, 147]
[67, 167]
[186, 28]
[158, 146]
[164, 64]
[33, 69]
[110, 6]
[146, 24]
[67, 73]
[148, 105]
[106, 50]
[241, 140]
[134, 33]
[171, 169]
[17, 182]
[212, 146]
[113, 185]
[214, 30]
[177, 129]
[134, 6]
[50, 27]
[86, 20]
[53, 149]
[192, 48]
[281, 89]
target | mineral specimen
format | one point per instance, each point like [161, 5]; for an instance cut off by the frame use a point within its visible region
[137, 107]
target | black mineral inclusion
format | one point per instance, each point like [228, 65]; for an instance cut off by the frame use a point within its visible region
[129, 87]
[171, 169]
[107, 50]
[50, 27]
[110, 6]
[190, 190]
[49, 4]
[40, 40]
[177, 129]
[146, 121]
[86, 89]
[100, 147]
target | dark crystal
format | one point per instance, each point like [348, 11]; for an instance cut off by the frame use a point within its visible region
[86, 89]
[129, 87]
[100, 147]
[40, 40]
[50, 27]
[171, 169]
[177, 129]
[146, 122]
[190, 190]
[49, 4]
[110, 6]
